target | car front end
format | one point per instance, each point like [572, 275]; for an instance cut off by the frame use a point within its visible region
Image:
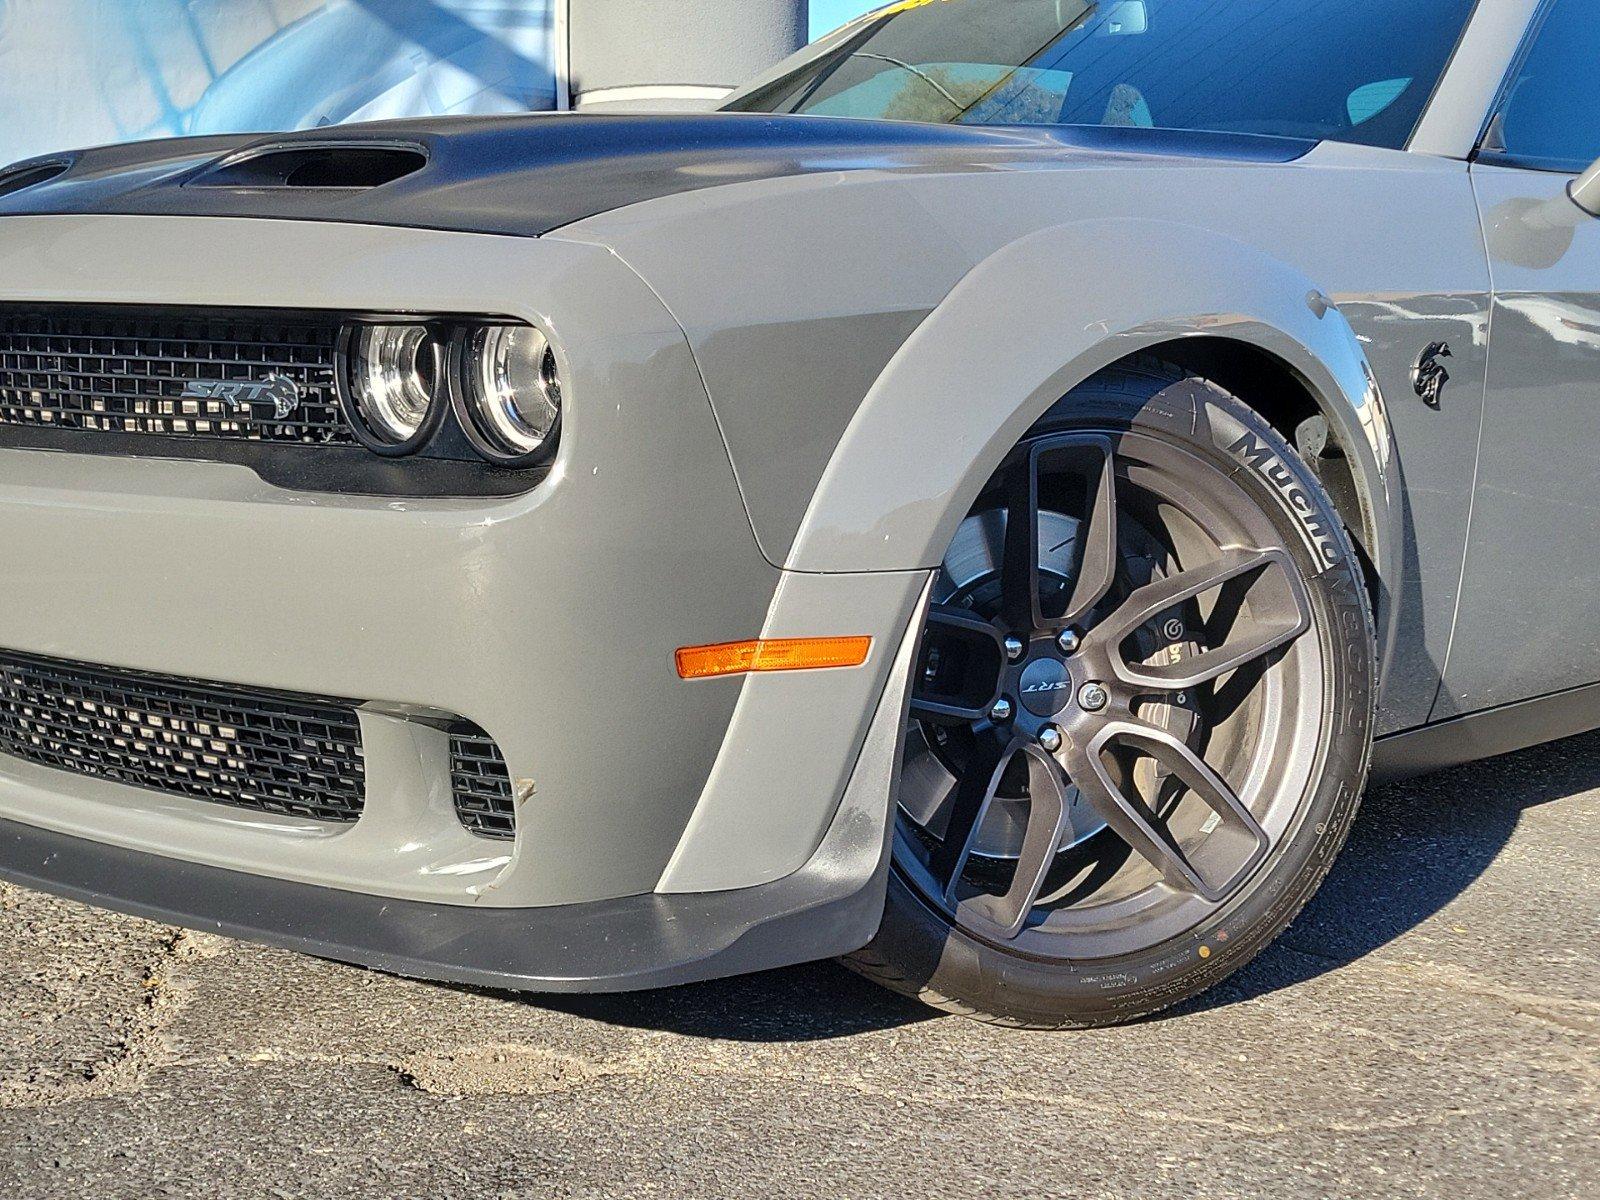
[416, 704]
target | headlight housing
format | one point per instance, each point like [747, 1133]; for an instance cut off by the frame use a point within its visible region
[452, 388]
[395, 380]
[510, 393]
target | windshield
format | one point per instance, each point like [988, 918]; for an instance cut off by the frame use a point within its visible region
[1344, 70]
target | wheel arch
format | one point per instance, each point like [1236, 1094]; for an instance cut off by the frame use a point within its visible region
[1045, 314]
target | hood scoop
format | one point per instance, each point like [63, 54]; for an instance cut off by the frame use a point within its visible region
[29, 174]
[339, 166]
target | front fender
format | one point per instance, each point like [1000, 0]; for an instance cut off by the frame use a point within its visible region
[1039, 317]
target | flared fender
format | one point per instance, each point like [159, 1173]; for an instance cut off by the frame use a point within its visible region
[1039, 317]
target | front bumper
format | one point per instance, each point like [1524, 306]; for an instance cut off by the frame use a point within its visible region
[689, 813]
[831, 906]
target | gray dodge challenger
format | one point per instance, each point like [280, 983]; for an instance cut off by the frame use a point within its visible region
[981, 504]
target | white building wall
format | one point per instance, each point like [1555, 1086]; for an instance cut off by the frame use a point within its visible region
[676, 53]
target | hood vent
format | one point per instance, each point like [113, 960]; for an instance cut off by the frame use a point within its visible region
[28, 175]
[346, 166]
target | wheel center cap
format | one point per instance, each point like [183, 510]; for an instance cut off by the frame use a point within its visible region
[1046, 687]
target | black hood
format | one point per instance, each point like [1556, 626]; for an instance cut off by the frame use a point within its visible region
[527, 175]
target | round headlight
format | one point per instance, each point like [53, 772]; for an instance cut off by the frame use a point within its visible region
[513, 390]
[393, 375]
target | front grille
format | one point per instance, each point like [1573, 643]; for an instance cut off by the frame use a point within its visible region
[293, 755]
[485, 803]
[139, 371]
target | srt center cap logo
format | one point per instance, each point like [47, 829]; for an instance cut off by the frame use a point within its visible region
[1046, 687]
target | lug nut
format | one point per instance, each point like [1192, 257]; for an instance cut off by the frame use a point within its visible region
[1050, 738]
[1015, 648]
[1001, 710]
[1068, 641]
[1093, 697]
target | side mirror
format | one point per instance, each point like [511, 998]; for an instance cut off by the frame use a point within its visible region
[1585, 192]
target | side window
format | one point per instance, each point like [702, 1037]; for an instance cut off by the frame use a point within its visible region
[1551, 114]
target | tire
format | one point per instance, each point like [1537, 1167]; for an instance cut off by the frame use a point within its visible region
[1086, 957]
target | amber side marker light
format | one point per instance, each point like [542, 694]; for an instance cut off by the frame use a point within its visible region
[783, 654]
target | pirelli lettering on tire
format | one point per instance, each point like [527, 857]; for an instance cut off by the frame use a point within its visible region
[1320, 536]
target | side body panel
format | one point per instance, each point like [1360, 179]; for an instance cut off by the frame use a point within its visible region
[1537, 514]
[1016, 294]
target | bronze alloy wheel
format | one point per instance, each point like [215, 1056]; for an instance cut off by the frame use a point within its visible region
[1141, 718]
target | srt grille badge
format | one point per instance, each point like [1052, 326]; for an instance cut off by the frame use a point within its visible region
[281, 392]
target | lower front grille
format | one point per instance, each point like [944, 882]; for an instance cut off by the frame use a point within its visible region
[292, 755]
[485, 803]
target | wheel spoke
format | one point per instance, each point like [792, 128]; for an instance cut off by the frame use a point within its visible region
[958, 675]
[1264, 580]
[1019, 564]
[974, 793]
[1223, 858]
[1096, 563]
[1048, 816]
[1131, 820]
[1090, 460]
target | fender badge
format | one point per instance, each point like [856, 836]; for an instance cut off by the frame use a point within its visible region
[1429, 376]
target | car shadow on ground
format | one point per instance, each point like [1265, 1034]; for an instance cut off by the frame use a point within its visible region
[1416, 846]
[815, 1002]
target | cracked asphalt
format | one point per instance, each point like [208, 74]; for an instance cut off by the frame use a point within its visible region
[1430, 1027]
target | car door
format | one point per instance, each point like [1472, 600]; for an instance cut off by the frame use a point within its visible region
[1529, 616]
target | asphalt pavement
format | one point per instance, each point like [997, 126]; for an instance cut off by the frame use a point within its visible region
[1430, 1027]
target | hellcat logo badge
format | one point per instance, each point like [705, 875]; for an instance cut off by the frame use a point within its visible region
[1430, 374]
[281, 392]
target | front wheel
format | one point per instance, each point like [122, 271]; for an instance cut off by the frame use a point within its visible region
[1141, 719]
